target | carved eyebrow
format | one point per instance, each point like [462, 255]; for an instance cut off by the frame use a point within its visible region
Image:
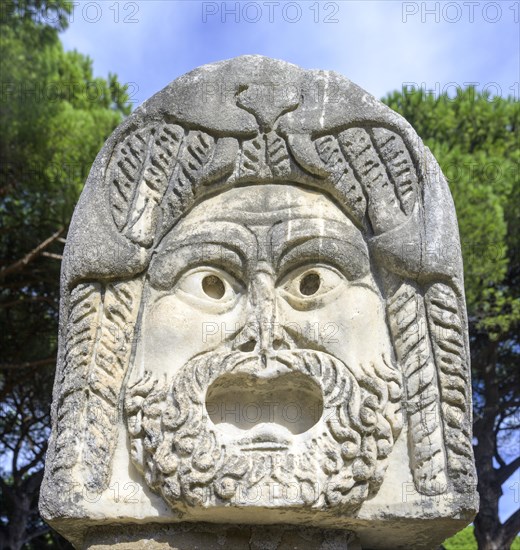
[226, 235]
[179, 256]
[339, 245]
[209, 248]
[339, 253]
[234, 236]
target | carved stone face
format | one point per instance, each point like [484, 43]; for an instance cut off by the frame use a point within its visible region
[260, 339]
[264, 373]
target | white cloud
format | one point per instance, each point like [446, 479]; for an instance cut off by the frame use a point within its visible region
[377, 44]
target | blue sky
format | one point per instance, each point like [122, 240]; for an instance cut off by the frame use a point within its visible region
[380, 45]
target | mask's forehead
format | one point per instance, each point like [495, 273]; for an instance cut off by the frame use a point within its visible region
[247, 204]
[256, 216]
[267, 204]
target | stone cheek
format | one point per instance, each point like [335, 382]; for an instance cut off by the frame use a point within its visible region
[265, 339]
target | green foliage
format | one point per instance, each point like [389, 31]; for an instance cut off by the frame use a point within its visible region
[463, 540]
[476, 140]
[36, 21]
[55, 116]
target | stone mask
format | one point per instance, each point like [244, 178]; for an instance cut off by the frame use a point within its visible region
[263, 310]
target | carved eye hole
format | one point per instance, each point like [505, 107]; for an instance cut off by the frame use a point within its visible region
[310, 284]
[208, 286]
[213, 286]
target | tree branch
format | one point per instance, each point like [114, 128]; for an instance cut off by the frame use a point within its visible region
[507, 470]
[37, 458]
[24, 300]
[498, 458]
[511, 528]
[37, 533]
[510, 428]
[27, 364]
[58, 257]
[32, 483]
[29, 257]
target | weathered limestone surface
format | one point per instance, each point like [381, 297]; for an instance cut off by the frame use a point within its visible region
[207, 536]
[263, 340]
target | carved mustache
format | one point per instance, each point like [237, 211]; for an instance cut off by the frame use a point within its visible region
[183, 448]
[320, 375]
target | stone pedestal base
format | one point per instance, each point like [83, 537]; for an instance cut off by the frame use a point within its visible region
[207, 536]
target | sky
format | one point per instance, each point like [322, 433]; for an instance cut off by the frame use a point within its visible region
[380, 45]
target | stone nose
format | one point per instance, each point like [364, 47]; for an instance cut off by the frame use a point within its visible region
[262, 331]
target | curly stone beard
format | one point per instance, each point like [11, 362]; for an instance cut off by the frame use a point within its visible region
[340, 463]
